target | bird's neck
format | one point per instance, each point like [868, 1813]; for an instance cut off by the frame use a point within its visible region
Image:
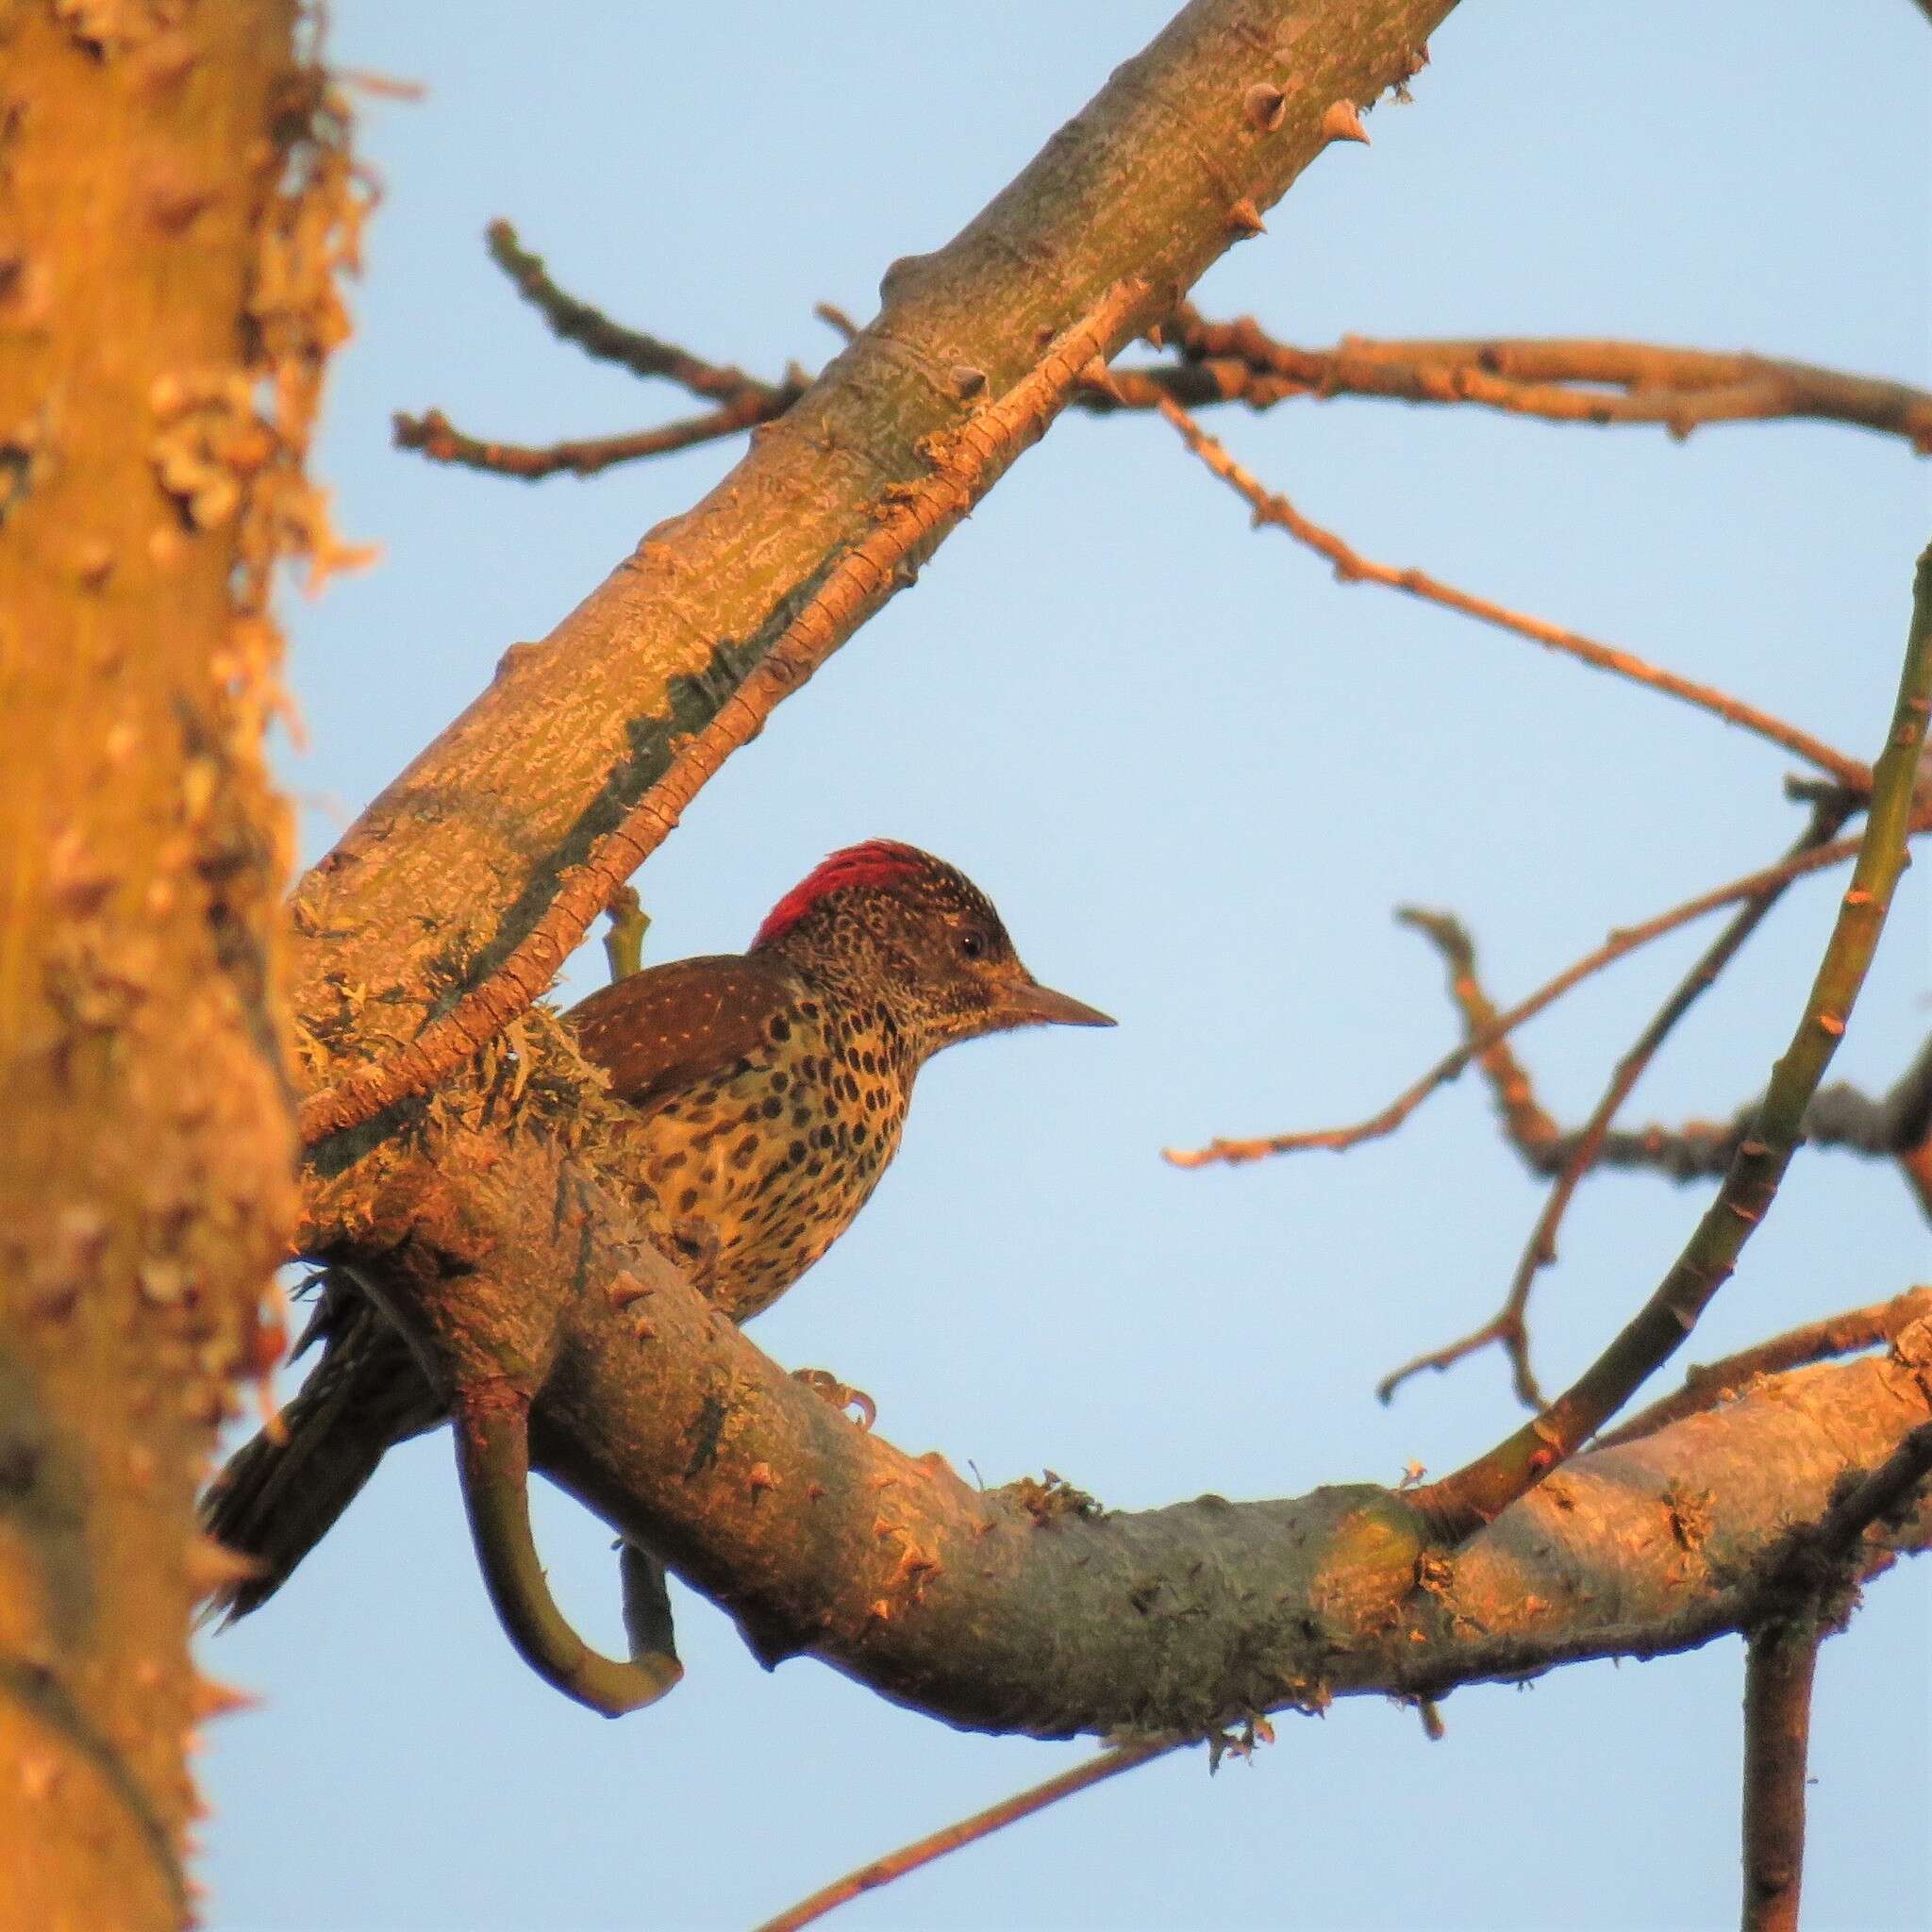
[864, 983]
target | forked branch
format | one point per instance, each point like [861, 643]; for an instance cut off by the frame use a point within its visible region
[1510, 1324]
[1622, 941]
[1472, 1495]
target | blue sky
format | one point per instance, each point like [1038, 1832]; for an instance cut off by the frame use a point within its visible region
[1195, 775]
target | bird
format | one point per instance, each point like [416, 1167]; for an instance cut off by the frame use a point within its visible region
[763, 1096]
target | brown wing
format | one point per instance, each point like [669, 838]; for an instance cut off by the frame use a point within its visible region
[670, 1026]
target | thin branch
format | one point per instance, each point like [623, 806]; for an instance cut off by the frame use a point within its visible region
[1475, 1493]
[1540, 1251]
[1815, 1574]
[1561, 380]
[493, 1465]
[966, 1831]
[1779, 1666]
[910, 524]
[442, 441]
[1227, 363]
[1705, 1387]
[1530, 1128]
[1840, 1116]
[1622, 941]
[1352, 567]
[594, 332]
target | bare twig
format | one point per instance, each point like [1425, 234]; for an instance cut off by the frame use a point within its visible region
[593, 332]
[1530, 1129]
[442, 441]
[835, 320]
[1096, 1769]
[1477, 1493]
[1706, 1386]
[1623, 941]
[1779, 1666]
[1540, 1251]
[1225, 362]
[1839, 1116]
[1269, 507]
[1561, 380]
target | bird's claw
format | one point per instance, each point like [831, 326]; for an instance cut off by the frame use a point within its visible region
[842, 1395]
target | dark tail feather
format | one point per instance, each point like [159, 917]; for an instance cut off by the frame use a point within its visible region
[275, 1501]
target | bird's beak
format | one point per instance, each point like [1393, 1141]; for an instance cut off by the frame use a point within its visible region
[1033, 1005]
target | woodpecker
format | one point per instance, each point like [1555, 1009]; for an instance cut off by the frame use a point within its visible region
[767, 1091]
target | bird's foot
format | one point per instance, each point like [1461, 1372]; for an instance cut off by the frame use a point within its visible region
[693, 1247]
[842, 1395]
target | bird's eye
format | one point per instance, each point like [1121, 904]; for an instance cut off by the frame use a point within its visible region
[972, 943]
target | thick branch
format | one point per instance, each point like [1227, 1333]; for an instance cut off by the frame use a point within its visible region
[1021, 1609]
[461, 883]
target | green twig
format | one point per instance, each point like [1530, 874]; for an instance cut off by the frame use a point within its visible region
[624, 943]
[493, 1464]
[1463, 1501]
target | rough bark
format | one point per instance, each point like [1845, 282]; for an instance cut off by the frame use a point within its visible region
[498, 1232]
[1027, 1608]
[148, 283]
[587, 745]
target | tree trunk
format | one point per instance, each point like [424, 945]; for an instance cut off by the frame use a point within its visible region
[156, 280]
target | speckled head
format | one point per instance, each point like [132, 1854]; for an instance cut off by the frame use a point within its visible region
[892, 922]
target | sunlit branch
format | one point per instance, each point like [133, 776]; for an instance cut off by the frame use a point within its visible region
[858, 583]
[1475, 1493]
[1558, 379]
[1271, 507]
[1706, 1386]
